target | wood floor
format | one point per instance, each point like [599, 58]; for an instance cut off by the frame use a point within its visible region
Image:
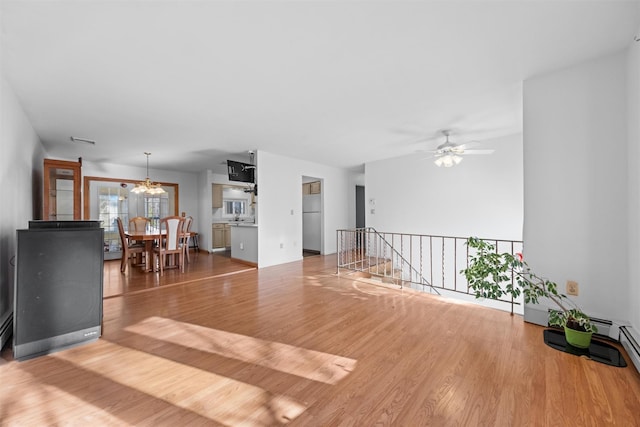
[295, 344]
[203, 266]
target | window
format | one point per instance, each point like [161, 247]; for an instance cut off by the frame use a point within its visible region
[235, 207]
[156, 207]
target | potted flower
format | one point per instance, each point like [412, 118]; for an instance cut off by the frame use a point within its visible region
[490, 275]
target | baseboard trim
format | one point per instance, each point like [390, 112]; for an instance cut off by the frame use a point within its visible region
[241, 261]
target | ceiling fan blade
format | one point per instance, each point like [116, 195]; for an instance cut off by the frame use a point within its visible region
[468, 144]
[477, 152]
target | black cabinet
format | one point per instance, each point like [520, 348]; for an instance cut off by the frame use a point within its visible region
[58, 286]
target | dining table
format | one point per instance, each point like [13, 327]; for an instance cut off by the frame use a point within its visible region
[148, 237]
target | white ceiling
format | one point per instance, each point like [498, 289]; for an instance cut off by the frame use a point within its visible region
[335, 82]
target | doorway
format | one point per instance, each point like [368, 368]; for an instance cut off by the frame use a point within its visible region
[312, 215]
[360, 213]
[360, 208]
[107, 198]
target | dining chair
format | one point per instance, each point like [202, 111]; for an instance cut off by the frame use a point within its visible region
[128, 248]
[171, 244]
[139, 224]
[186, 230]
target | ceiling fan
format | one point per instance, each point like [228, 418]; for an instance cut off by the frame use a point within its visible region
[450, 154]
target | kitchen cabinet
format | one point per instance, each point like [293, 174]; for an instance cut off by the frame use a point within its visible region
[61, 190]
[227, 235]
[221, 235]
[311, 188]
[216, 195]
[314, 187]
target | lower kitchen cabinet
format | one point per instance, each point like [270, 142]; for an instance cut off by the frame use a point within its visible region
[221, 235]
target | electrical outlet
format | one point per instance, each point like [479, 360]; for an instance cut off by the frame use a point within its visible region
[281, 245]
[572, 288]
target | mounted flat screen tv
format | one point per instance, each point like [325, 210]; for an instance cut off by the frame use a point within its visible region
[242, 172]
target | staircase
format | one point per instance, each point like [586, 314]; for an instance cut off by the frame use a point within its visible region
[423, 262]
[382, 272]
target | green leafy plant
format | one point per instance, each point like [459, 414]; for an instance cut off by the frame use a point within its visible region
[491, 275]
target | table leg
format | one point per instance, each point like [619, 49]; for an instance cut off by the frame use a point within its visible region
[148, 247]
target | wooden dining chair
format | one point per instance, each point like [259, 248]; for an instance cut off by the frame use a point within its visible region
[128, 248]
[171, 244]
[139, 224]
[186, 230]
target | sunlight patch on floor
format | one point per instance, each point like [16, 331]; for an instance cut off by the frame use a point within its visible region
[53, 407]
[224, 400]
[309, 364]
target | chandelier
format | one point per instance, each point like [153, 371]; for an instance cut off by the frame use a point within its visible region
[147, 186]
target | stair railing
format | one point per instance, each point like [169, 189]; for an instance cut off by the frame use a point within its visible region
[423, 262]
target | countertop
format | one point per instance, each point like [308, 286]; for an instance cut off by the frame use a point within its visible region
[248, 223]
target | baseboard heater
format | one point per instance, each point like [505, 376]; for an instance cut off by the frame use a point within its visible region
[631, 343]
[607, 329]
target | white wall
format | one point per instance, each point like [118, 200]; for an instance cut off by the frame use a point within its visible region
[575, 181]
[633, 117]
[202, 221]
[482, 196]
[280, 192]
[20, 185]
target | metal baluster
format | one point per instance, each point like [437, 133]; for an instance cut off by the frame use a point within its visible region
[455, 264]
[431, 259]
[512, 280]
[443, 283]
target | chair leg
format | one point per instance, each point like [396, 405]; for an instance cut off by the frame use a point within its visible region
[124, 261]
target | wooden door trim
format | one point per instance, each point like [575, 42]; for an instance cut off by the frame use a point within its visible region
[87, 183]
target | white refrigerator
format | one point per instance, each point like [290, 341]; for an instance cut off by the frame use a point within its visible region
[311, 222]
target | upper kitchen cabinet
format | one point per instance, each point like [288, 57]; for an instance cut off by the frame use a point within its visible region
[311, 188]
[216, 196]
[61, 190]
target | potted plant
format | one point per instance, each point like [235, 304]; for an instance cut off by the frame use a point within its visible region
[491, 275]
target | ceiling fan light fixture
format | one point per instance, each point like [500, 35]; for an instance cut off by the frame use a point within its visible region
[448, 160]
[146, 186]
